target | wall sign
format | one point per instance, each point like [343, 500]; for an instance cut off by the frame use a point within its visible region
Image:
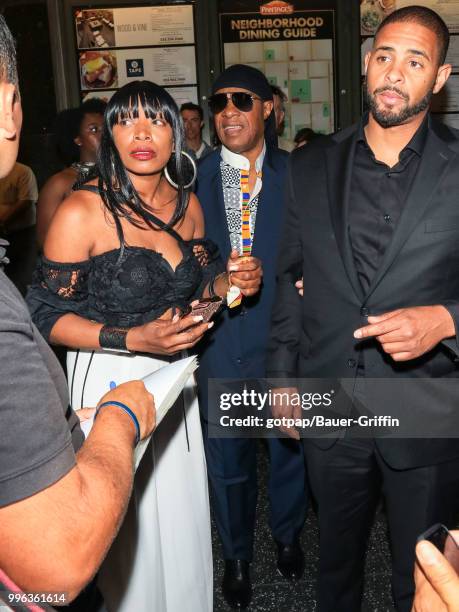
[119, 45]
[294, 47]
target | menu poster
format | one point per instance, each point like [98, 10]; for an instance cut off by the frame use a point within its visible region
[293, 46]
[372, 12]
[134, 27]
[163, 65]
[119, 45]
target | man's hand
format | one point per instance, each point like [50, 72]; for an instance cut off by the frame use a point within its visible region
[135, 395]
[85, 414]
[245, 273]
[437, 583]
[408, 333]
[282, 408]
[299, 286]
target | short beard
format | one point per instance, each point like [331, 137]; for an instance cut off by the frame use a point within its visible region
[387, 119]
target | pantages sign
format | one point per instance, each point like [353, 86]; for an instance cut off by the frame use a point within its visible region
[277, 7]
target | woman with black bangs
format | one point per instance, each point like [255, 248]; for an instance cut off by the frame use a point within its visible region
[123, 259]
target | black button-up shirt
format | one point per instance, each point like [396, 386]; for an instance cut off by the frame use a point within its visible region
[377, 197]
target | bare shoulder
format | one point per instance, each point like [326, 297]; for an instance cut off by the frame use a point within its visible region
[61, 181]
[79, 206]
[74, 227]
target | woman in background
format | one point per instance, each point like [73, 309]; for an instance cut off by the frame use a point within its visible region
[78, 132]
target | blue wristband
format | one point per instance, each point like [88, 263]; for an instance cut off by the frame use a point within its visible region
[128, 411]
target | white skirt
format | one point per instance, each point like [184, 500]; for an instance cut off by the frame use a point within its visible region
[161, 560]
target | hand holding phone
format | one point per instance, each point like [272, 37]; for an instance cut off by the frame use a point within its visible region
[437, 571]
[207, 307]
[445, 542]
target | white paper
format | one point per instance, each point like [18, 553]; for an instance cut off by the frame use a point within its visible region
[165, 385]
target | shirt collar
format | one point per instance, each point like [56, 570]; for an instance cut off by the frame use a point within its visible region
[416, 144]
[239, 161]
[200, 151]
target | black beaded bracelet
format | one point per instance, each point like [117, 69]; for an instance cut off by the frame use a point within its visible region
[211, 287]
[113, 338]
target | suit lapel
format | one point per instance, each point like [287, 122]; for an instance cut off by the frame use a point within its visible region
[340, 159]
[221, 224]
[268, 209]
[436, 158]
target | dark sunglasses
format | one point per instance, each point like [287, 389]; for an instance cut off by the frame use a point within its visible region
[242, 101]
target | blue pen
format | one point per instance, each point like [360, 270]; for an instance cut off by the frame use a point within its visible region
[112, 385]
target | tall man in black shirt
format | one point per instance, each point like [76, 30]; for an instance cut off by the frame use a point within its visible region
[376, 234]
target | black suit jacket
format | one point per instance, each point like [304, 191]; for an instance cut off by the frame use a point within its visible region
[313, 337]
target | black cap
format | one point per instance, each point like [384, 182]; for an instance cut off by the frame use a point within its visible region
[252, 79]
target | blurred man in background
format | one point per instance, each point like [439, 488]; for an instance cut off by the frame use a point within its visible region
[193, 121]
[18, 197]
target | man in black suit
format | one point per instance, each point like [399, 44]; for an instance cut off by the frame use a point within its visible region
[372, 226]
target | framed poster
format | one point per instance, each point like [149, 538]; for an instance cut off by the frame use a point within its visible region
[118, 45]
[294, 47]
[372, 12]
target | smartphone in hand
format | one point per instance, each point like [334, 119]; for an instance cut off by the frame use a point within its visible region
[440, 537]
[207, 307]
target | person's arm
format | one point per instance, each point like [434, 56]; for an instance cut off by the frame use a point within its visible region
[52, 194]
[58, 514]
[283, 346]
[56, 539]
[286, 320]
[437, 583]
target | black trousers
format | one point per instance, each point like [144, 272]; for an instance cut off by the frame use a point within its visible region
[346, 481]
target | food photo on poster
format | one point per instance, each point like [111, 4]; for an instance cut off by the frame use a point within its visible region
[98, 70]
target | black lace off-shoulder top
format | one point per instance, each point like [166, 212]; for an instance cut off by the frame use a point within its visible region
[124, 287]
